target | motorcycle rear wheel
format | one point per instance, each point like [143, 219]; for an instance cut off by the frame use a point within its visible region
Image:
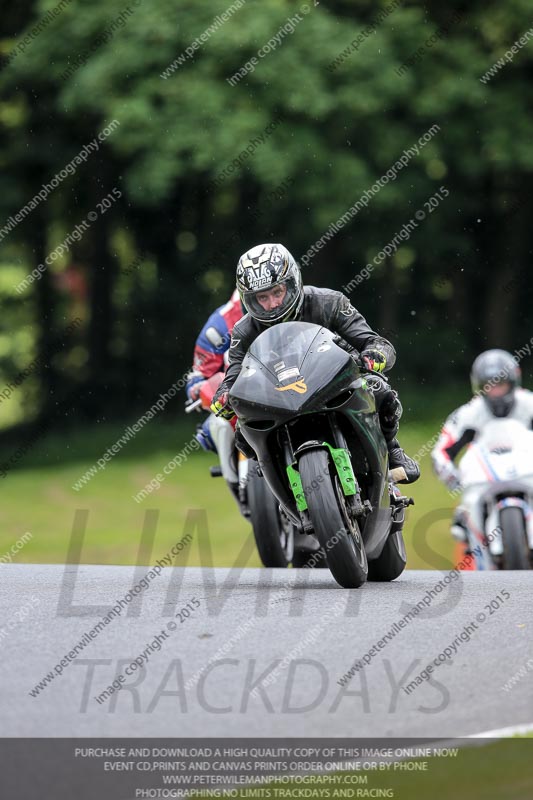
[391, 562]
[339, 536]
[307, 552]
[515, 547]
[274, 535]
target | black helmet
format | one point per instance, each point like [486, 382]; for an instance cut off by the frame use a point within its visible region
[262, 268]
[491, 368]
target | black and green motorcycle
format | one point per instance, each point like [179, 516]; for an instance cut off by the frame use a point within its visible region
[305, 407]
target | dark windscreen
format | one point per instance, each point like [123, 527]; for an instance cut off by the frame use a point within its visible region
[284, 347]
[290, 366]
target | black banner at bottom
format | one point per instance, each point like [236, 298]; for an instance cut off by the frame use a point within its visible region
[127, 769]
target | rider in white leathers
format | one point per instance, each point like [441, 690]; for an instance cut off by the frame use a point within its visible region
[496, 379]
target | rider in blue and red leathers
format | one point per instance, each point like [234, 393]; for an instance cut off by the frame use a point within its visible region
[216, 434]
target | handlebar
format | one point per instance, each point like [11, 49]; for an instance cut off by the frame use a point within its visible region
[192, 405]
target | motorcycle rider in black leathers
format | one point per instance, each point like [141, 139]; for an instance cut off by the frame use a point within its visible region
[270, 286]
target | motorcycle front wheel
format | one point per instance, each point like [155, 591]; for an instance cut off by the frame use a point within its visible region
[515, 547]
[339, 536]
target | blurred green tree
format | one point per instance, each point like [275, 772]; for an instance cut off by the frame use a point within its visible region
[207, 167]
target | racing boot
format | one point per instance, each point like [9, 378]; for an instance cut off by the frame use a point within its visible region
[402, 469]
[458, 527]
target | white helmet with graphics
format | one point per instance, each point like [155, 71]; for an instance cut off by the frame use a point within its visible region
[269, 282]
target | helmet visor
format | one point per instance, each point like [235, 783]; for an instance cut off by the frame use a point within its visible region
[499, 389]
[499, 396]
[273, 303]
[500, 405]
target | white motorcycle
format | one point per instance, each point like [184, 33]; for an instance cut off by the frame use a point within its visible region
[496, 473]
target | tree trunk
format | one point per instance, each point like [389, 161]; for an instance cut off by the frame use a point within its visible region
[46, 318]
[97, 396]
[508, 277]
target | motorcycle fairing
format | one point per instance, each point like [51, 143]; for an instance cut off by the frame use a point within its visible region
[287, 378]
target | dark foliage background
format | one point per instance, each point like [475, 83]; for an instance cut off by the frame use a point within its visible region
[145, 275]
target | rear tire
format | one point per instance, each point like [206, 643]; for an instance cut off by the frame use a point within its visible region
[391, 563]
[274, 537]
[515, 546]
[337, 533]
[307, 560]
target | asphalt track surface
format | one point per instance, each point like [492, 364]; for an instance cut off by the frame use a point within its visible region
[302, 638]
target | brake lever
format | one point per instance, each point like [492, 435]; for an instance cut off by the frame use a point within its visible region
[192, 404]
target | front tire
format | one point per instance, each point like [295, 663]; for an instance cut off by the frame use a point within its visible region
[515, 547]
[337, 533]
